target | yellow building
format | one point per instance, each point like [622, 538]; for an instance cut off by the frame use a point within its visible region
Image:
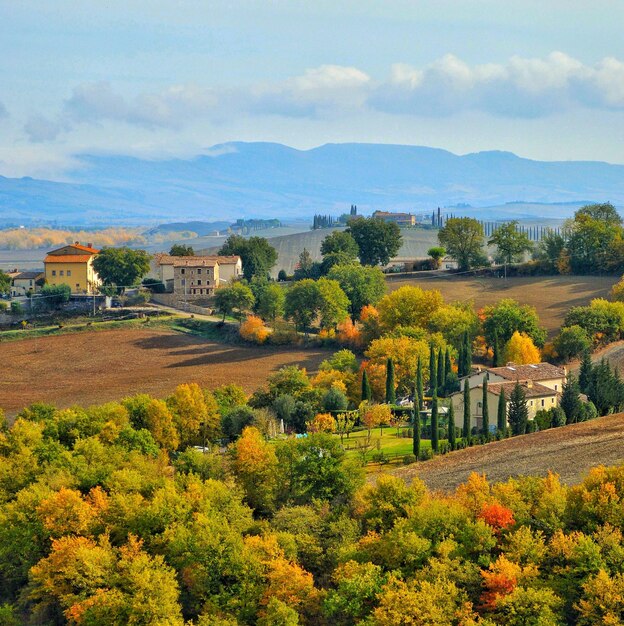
[73, 265]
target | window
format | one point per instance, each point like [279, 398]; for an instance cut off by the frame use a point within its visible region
[182, 271]
[199, 270]
[183, 282]
[53, 272]
[542, 401]
[555, 387]
[69, 272]
[199, 281]
[77, 285]
[61, 272]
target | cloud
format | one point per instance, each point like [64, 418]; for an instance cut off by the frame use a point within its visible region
[519, 88]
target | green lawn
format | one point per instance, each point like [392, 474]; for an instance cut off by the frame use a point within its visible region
[386, 440]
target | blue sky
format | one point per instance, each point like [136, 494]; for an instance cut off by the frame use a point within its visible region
[161, 78]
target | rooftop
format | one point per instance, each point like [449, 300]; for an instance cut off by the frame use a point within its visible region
[534, 390]
[539, 371]
[26, 275]
[168, 259]
[68, 258]
[78, 246]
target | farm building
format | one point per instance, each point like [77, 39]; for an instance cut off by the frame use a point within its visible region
[402, 219]
[166, 267]
[73, 265]
[543, 373]
[23, 283]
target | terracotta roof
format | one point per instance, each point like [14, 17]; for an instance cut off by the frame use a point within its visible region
[539, 371]
[68, 258]
[534, 391]
[78, 247]
[185, 261]
[168, 259]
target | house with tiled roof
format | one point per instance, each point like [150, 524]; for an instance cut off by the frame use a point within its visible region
[192, 275]
[546, 374]
[23, 283]
[73, 265]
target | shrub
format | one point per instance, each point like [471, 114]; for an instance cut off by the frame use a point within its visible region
[16, 308]
[558, 417]
[408, 459]
[543, 419]
[322, 423]
[425, 454]
[4, 306]
[154, 285]
[254, 330]
[283, 335]
[588, 411]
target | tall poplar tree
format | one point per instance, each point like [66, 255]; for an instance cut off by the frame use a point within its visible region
[441, 372]
[390, 386]
[467, 355]
[461, 360]
[485, 410]
[419, 386]
[416, 429]
[434, 423]
[466, 430]
[451, 426]
[502, 414]
[433, 371]
[367, 392]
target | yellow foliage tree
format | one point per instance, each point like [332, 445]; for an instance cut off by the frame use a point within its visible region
[253, 329]
[189, 412]
[409, 306]
[322, 423]
[369, 319]
[521, 350]
[374, 415]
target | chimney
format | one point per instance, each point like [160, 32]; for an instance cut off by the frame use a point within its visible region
[77, 243]
[89, 245]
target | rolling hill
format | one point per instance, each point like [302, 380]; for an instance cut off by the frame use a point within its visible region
[272, 180]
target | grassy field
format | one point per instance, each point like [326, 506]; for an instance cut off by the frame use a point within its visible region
[552, 296]
[570, 451]
[93, 367]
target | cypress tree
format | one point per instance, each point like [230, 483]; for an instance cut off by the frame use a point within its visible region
[448, 366]
[496, 356]
[518, 410]
[486, 411]
[461, 360]
[502, 414]
[585, 373]
[434, 423]
[467, 355]
[466, 429]
[451, 426]
[419, 393]
[570, 400]
[416, 430]
[390, 388]
[367, 392]
[433, 371]
[441, 372]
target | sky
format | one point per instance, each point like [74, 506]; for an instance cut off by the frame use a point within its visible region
[164, 78]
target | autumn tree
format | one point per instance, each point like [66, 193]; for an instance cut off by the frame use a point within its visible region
[521, 350]
[190, 413]
[506, 317]
[409, 306]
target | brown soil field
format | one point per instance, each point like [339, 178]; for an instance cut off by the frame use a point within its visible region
[570, 451]
[93, 367]
[552, 296]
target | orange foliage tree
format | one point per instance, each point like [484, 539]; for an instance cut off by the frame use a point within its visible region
[254, 330]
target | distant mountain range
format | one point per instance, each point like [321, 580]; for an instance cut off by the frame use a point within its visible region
[272, 180]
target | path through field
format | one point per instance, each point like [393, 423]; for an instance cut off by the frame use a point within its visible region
[569, 451]
[93, 367]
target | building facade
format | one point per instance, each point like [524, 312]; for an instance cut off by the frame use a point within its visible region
[23, 283]
[195, 277]
[402, 219]
[73, 265]
[167, 269]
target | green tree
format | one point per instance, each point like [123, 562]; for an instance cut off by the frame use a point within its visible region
[518, 413]
[467, 355]
[340, 242]
[5, 282]
[270, 302]
[377, 241]
[506, 317]
[501, 418]
[335, 400]
[236, 298]
[551, 250]
[362, 285]
[571, 400]
[306, 267]
[485, 410]
[466, 431]
[333, 303]
[510, 242]
[451, 427]
[257, 255]
[463, 239]
[367, 392]
[53, 296]
[435, 429]
[179, 249]
[571, 342]
[390, 384]
[121, 267]
[433, 370]
[416, 435]
[437, 253]
[585, 371]
[441, 375]
[419, 390]
[497, 352]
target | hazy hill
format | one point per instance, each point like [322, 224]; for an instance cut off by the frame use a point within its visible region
[271, 180]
